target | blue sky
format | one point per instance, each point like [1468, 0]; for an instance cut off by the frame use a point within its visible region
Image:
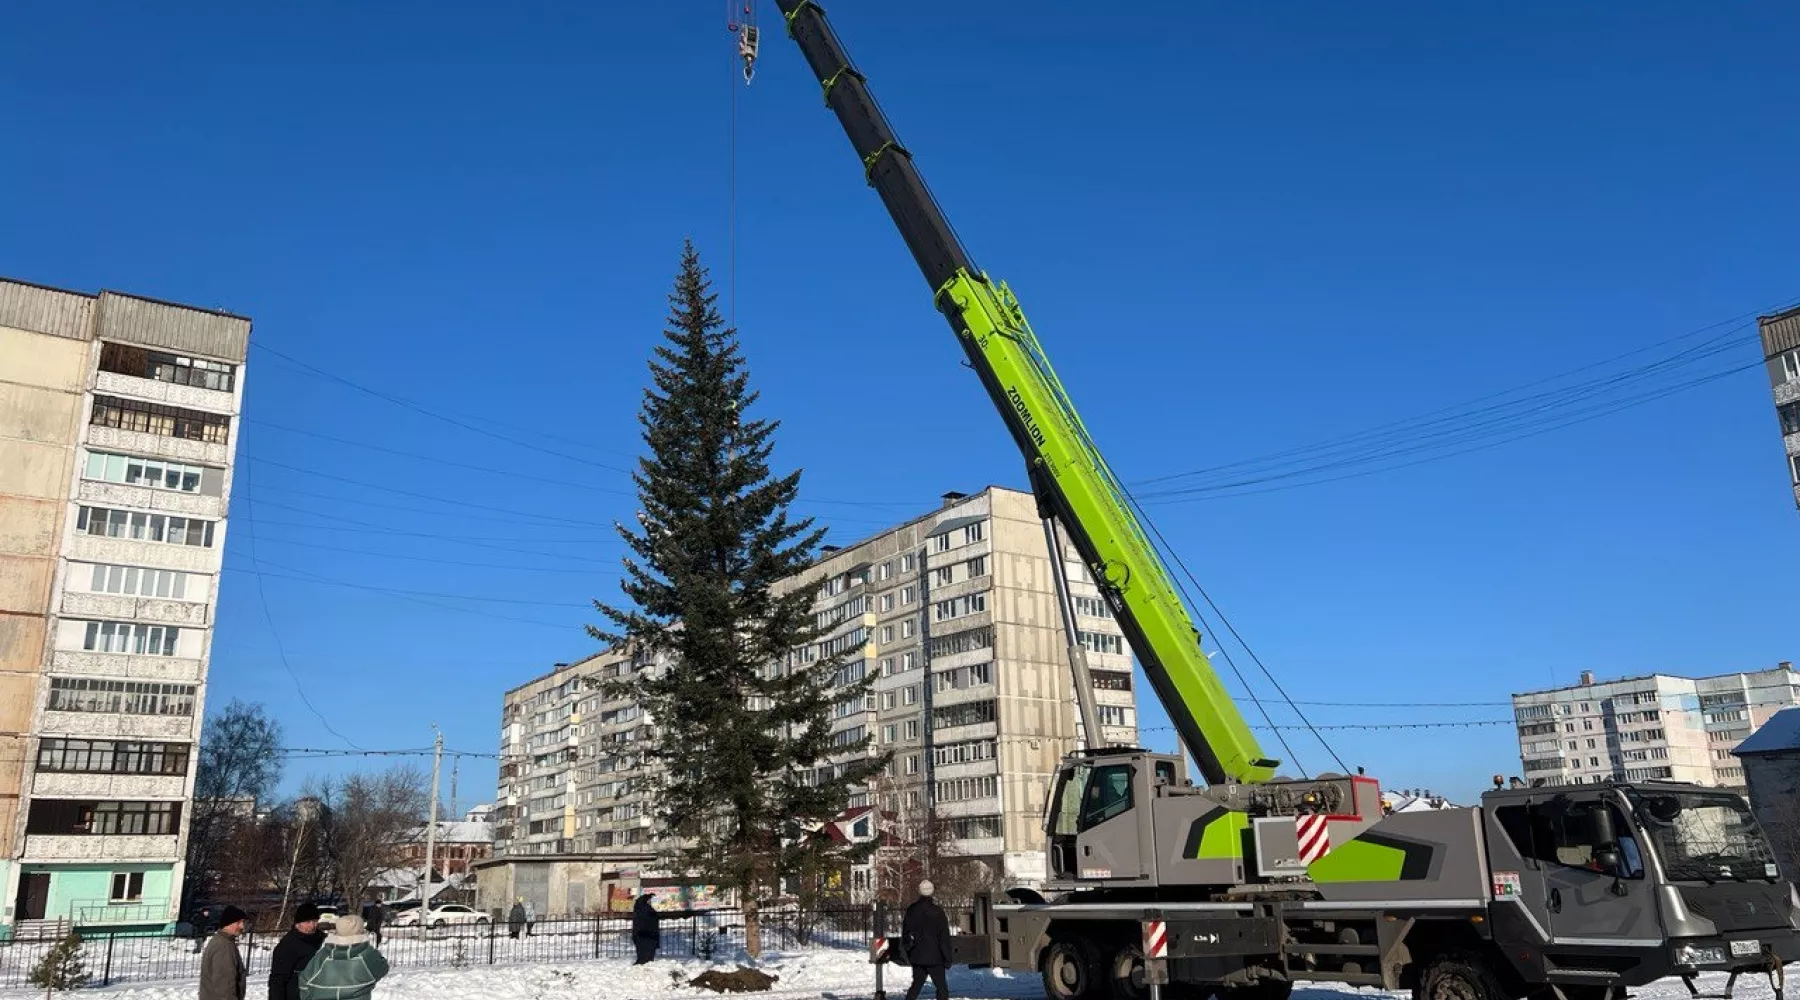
[1239, 229]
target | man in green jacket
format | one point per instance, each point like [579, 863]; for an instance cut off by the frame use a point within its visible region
[347, 966]
[222, 973]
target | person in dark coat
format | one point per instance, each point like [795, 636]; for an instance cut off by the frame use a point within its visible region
[373, 920]
[222, 970]
[926, 934]
[515, 920]
[297, 947]
[646, 929]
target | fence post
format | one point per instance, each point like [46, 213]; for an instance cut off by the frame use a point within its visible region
[596, 935]
[106, 977]
[492, 927]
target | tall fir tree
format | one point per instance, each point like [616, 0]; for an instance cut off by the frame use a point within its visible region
[742, 729]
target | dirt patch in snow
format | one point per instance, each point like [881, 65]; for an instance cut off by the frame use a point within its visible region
[742, 981]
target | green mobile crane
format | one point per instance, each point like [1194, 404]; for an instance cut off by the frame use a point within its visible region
[1243, 886]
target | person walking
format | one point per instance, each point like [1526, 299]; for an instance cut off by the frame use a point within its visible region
[296, 948]
[515, 920]
[926, 934]
[376, 917]
[646, 929]
[346, 967]
[530, 917]
[222, 972]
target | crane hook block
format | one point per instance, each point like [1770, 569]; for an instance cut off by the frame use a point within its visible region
[748, 41]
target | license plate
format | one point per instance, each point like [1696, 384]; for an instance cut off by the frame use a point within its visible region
[1746, 949]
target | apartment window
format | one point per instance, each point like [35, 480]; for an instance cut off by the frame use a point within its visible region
[138, 581]
[968, 714]
[1790, 365]
[140, 362]
[977, 567]
[912, 730]
[908, 594]
[1095, 607]
[1574, 745]
[909, 661]
[127, 887]
[887, 734]
[956, 607]
[961, 642]
[64, 756]
[1099, 642]
[965, 789]
[965, 752]
[906, 628]
[884, 571]
[890, 699]
[887, 667]
[1114, 715]
[163, 421]
[64, 816]
[1587, 724]
[909, 695]
[145, 527]
[974, 828]
[942, 576]
[1110, 680]
[1790, 417]
[849, 737]
[89, 694]
[963, 677]
[132, 471]
[940, 543]
[887, 633]
[912, 763]
[906, 563]
[1794, 460]
[973, 533]
[887, 602]
[131, 637]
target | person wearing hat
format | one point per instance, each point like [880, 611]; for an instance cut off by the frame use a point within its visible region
[297, 947]
[646, 928]
[346, 967]
[926, 933]
[222, 973]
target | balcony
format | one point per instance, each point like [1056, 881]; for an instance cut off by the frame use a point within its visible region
[122, 607]
[56, 785]
[105, 913]
[126, 666]
[157, 446]
[191, 397]
[160, 727]
[162, 555]
[103, 847]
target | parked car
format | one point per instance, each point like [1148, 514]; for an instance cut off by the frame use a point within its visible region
[441, 916]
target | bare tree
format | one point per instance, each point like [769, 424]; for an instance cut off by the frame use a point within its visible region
[366, 821]
[239, 763]
[915, 844]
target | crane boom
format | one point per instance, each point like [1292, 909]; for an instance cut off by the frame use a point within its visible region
[1068, 474]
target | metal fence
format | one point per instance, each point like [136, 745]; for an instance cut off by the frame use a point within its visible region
[134, 958]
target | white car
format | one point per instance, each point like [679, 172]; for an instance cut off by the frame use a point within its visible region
[442, 916]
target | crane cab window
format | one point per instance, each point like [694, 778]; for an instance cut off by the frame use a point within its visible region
[1108, 795]
[1574, 834]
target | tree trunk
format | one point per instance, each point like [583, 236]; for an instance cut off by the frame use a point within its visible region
[752, 927]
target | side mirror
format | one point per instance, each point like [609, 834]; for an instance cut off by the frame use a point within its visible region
[1609, 859]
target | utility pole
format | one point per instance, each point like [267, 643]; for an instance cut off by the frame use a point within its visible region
[437, 761]
[287, 890]
[455, 765]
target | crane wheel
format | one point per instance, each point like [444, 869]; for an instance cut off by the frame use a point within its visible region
[1459, 976]
[1072, 970]
[1126, 973]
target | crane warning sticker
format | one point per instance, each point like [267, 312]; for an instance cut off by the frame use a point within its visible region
[1506, 885]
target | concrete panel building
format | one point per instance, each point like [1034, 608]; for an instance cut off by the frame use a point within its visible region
[118, 422]
[955, 615]
[1771, 761]
[1781, 350]
[1655, 726]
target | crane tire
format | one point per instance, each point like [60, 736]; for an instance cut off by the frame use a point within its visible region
[1459, 976]
[1072, 970]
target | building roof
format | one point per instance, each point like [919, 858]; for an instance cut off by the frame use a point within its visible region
[460, 832]
[1781, 733]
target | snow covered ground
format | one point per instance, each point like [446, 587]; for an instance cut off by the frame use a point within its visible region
[827, 974]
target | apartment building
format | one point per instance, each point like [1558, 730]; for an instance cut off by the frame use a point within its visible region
[118, 422]
[955, 615]
[1781, 349]
[1651, 727]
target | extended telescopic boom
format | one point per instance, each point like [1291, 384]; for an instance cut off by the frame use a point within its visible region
[1068, 473]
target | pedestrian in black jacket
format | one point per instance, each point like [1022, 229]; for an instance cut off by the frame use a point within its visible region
[296, 948]
[646, 929]
[926, 934]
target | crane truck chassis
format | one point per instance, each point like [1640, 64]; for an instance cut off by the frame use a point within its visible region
[1254, 881]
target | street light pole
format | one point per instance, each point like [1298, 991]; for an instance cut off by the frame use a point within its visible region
[437, 762]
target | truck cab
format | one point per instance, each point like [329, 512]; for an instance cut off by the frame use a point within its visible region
[1621, 884]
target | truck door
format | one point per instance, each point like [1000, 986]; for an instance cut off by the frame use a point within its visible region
[1593, 872]
[1093, 833]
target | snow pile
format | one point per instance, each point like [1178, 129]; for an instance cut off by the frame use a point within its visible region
[831, 975]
